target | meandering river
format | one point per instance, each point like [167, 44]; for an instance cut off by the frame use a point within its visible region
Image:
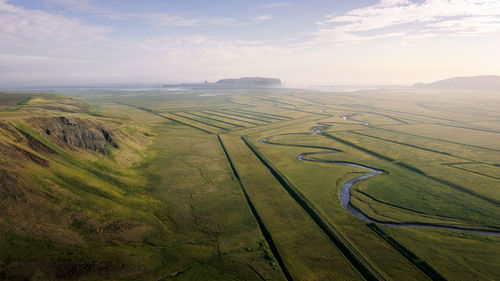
[345, 190]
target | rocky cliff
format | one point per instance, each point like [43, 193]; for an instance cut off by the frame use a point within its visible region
[75, 132]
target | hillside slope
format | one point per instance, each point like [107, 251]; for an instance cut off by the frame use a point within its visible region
[85, 195]
[69, 190]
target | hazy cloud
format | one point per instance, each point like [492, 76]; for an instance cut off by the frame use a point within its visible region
[40, 46]
[22, 29]
[77, 5]
[438, 17]
[262, 18]
[166, 19]
[37, 45]
[275, 5]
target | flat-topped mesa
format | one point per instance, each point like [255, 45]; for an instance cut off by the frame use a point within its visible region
[238, 83]
[251, 82]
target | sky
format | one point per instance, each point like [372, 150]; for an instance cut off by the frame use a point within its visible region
[315, 42]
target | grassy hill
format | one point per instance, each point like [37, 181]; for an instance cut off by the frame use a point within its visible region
[86, 195]
[69, 189]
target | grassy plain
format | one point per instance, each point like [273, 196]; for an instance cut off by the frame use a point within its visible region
[213, 207]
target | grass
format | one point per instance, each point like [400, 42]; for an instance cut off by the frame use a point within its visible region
[357, 260]
[441, 194]
[455, 255]
[422, 265]
[214, 230]
[305, 249]
[320, 183]
[62, 209]
[133, 216]
[184, 197]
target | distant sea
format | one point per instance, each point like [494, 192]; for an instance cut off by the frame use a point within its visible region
[148, 88]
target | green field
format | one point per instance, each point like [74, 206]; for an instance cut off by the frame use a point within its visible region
[166, 185]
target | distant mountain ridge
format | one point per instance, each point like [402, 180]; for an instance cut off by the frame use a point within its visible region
[251, 81]
[237, 83]
[483, 82]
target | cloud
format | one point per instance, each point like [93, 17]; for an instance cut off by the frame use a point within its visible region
[166, 19]
[275, 5]
[40, 46]
[160, 59]
[157, 19]
[161, 19]
[262, 18]
[54, 48]
[77, 5]
[468, 25]
[26, 31]
[431, 17]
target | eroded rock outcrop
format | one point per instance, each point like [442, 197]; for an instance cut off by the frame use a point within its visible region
[74, 132]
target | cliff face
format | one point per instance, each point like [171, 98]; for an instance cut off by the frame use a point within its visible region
[37, 140]
[67, 180]
[74, 132]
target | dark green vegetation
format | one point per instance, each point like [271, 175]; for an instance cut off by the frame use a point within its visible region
[251, 81]
[227, 84]
[176, 185]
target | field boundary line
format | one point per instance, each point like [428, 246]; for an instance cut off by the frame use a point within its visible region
[260, 114]
[265, 232]
[214, 119]
[436, 139]
[409, 145]
[455, 166]
[349, 252]
[195, 120]
[165, 117]
[413, 169]
[228, 117]
[239, 114]
[422, 265]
